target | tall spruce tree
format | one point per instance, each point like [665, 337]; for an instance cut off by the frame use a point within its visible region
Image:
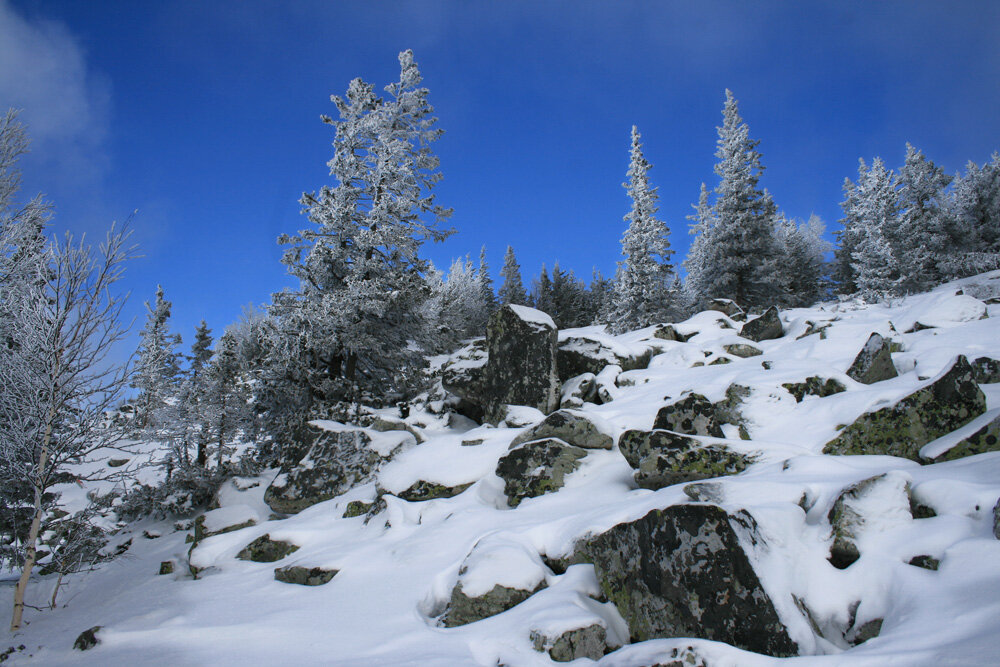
[873, 210]
[158, 363]
[975, 217]
[738, 257]
[644, 277]
[512, 289]
[361, 284]
[803, 260]
[921, 239]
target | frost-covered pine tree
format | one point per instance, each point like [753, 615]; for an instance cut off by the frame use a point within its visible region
[541, 292]
[975, 216]
[739, 255]
[922, 236]
[698, 285]
[512, 289]
[843, 274]
[600, 297]
[361, 282]
[874, 211]
[463, 311]
[158, 363]
[803, 260]
[567, 298]
[196, 391]
[644, 277]
[489, 298]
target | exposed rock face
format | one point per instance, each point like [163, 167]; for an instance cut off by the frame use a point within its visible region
[357, 508]
[536, 468]
[987, 370]
[219, 521]
[578, 355]
[948, 403]
[664, 458]
[668, 332]
[589, 642]
[167, 567]
[87, 639]
[464, 374]
[463, 609]
[579, 390]
[304, 576]
[814, 386]
[337, 461]
[873, 363]
[266, 550]
[692, 415]
[870, 505]
[766, 327]
[521, 368]
[742, 350]
[424, 490]
[727, 307]
[985, 439]
[683, 572]
[571, 427]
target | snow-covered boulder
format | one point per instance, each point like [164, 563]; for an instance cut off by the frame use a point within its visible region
[521, 366]
[572, 427]
[683, 572]
[224, 520]
[536, 468]
[464, 374]
[496, 576]
[692, 415]
[424, 490]
[579, 354]
[814, 386]
[977, 437]
[578, 390]
[587, 642]
[304, 576]
[337, 461]
[766, 327]
[948, 402]
[874, 362]
[727, 307]
[664, 458]
[266, 550]
[867, 508]
[987, 370]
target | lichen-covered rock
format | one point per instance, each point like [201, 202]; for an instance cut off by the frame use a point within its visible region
[167, 567]
[951, 401]
[357, 508]
[337, 461]
[521, 366]
[266, 550]
[814, 386]
[578, 390]
[766, 327]
[683, 572]
[987, 370]
[536, 468]
[692, 415]
[87, 639]
[742, 350]
[577, 354]
[984, 439]
[424, 490]
[871, 505]
[463, 609]
[304, 576]
[663, 458]
[874, 362]
[574, 428]
[588, 642]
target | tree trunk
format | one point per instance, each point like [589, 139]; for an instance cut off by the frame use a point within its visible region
[30, 551]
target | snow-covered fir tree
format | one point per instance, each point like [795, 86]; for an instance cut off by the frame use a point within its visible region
[463, 309]
[512, 289]
[600, 297]
[541, 292]
[738, 257]
[489, 297]
[975, 217]
[843, 274]
[642, 284]
[921, 233]
[567, 299]
[698, 284]
[803, 260]
[157, 364]
[361, 282]
[873, 212]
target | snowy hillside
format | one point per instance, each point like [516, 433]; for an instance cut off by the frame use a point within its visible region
[920, 584]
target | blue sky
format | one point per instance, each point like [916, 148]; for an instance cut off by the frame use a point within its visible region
[204, 116]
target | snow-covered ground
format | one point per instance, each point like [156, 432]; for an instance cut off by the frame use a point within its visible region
[397, 572]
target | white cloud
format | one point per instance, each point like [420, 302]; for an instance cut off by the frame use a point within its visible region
[44, 73]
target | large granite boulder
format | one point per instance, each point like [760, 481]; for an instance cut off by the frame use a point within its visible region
[521, 368]
[727, 307]
[692, 415]
[951, 401]
[683, 572]
[766, 327]
[663, 458]
[536, 468]
[578, 354]
[572, 427]
[870, 506]
[337, 461]
[464, 373]
[874, 362]
[590, 641]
